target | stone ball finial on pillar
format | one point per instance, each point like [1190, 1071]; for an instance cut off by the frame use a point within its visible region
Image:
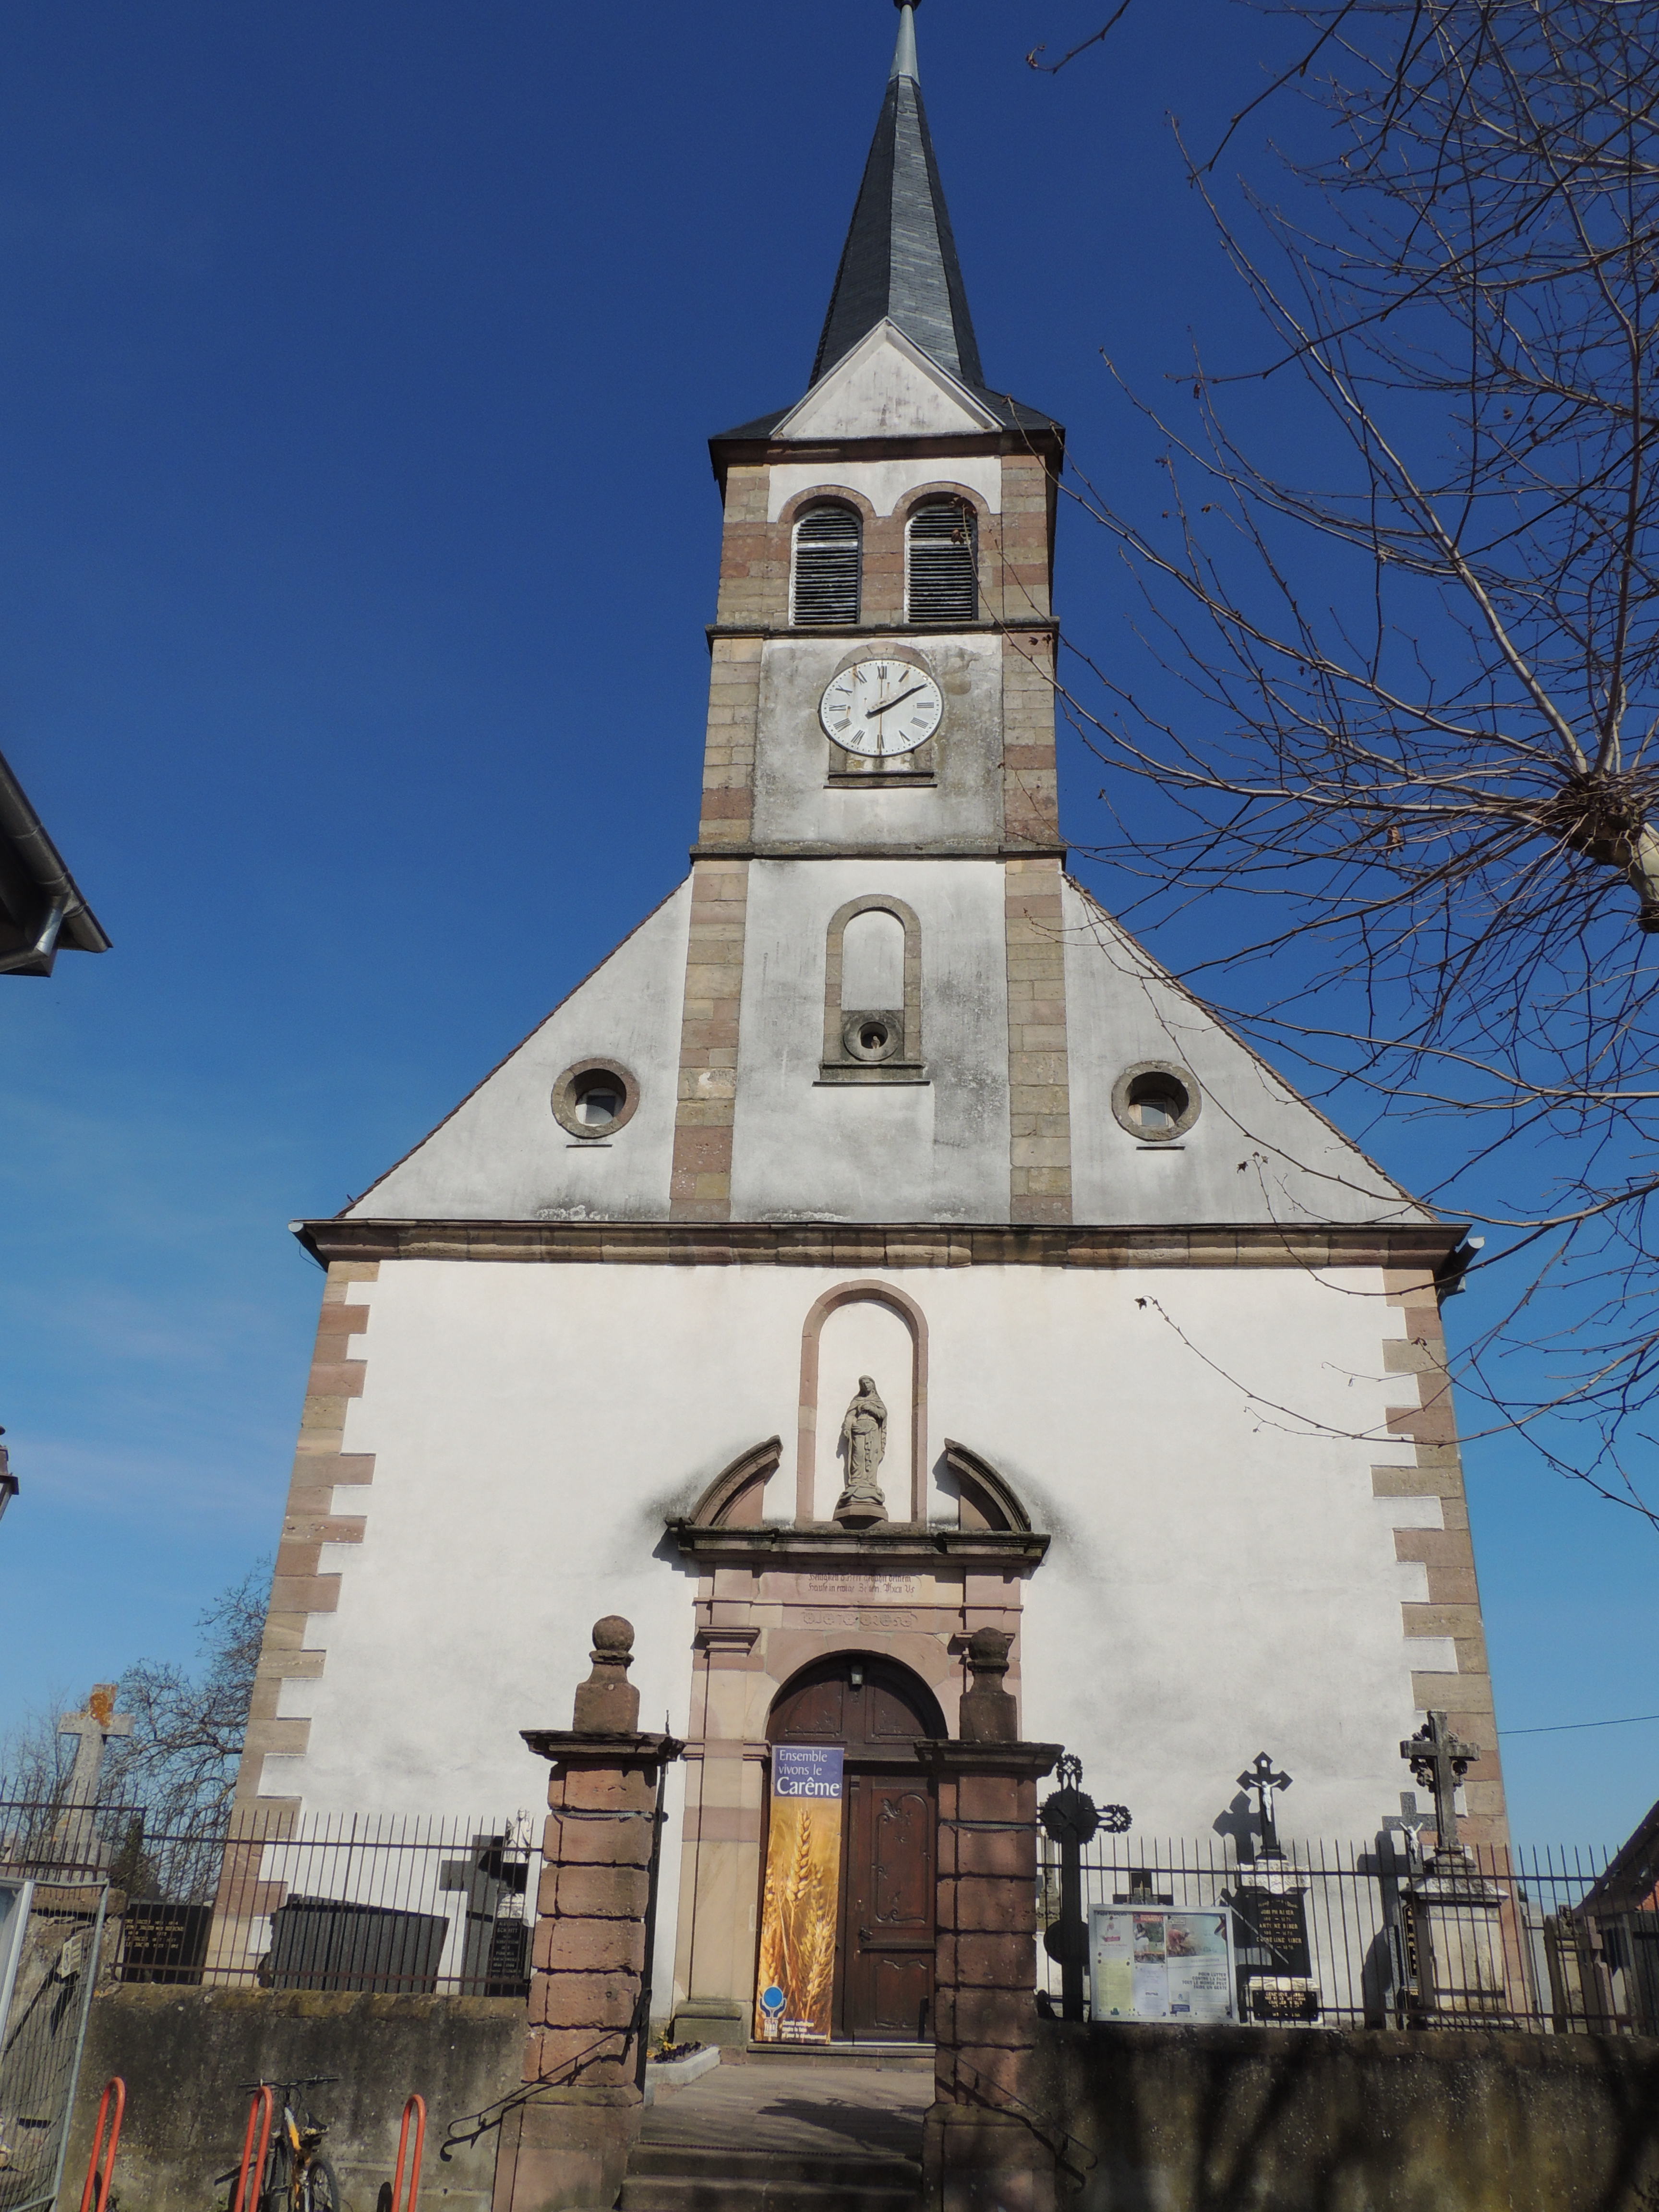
[988, 1712]
[607, 1704]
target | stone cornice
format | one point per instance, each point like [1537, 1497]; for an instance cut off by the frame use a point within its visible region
[589, 1748]
[946, 1755]
[917, 848]
[1038, 625]
[813, 1547]
[1418, 1245]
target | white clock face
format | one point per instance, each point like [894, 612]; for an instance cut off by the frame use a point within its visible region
[880, 707]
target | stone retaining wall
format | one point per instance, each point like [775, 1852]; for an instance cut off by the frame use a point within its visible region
[1158, 2118]
[183, 2052]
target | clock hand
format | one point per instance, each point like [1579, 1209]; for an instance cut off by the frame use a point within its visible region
[870, 712]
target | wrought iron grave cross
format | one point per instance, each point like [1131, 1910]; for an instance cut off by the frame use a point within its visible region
[1438, 1762]
[1072, 1818]
[1259, 1776]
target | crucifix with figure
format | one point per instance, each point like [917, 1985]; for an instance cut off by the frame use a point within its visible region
[1265, 1780]
[1439, 1760]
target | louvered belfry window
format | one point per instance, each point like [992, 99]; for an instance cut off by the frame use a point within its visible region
[829, 548]
[942, 562]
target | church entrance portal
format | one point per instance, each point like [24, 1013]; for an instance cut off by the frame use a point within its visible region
[875, 1710]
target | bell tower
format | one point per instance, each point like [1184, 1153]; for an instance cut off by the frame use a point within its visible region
[879, 783]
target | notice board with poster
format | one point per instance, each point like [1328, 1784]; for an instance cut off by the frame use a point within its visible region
[796, 1984]
[1151, 1962]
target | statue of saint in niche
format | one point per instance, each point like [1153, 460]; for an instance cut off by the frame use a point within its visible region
[863, 1439]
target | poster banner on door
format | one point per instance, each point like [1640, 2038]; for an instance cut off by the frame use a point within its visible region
[803, 1892]
[1151, 1964]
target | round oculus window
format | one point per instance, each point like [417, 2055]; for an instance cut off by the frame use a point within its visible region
[594, 1098]
[1155, 1100]
[871, 1037]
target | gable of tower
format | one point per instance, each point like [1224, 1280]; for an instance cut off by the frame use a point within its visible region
[886, 387]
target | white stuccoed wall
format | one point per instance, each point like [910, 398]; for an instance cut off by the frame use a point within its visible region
[1256, 1152]
[501, 1154]
[794, 800]
[870, 1152]
[884, 483]
[1219, 1583]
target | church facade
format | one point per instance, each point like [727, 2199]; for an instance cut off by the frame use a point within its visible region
[879, 1246]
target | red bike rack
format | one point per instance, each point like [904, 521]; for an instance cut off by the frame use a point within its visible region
[116, 2088]
[416, 2104]
[261, 2113]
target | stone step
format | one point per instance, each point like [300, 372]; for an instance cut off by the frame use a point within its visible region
[713, 2192]
[906, 2057]
[687, 2178]
[855, 2169]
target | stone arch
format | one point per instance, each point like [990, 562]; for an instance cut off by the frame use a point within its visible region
[946, 487]
[989, 1500]
[831, 1665]
[733, 1499]
[814, 494]
[806, 1454]
[837, 1053]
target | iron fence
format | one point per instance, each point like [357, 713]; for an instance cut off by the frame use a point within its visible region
[269, 1897]
[1350, 1936]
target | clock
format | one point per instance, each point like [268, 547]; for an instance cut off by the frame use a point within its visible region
[881, 708]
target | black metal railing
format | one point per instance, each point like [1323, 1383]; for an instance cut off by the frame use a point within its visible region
[269, 1897]
[1355, 1934]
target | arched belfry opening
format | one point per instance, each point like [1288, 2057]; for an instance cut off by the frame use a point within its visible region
[873, 1711]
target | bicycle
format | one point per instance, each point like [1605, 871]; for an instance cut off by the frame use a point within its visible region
[297, 2177]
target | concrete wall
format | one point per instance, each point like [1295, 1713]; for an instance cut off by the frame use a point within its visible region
[183, 2054]
[1218, 2119]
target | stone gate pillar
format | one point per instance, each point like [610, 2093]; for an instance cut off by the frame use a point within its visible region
[567, 2145]
[980, 2147]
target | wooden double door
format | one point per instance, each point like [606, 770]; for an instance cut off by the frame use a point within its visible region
[875, 1710]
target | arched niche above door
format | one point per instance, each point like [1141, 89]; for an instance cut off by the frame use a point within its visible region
[857, 1329]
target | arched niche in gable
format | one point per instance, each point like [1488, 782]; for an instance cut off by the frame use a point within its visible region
[873, 944]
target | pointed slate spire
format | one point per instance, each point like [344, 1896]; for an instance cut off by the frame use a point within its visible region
[900, 259]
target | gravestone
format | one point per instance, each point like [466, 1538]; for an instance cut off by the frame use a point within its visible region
[1453, 1926]
[494, 1953]
[1274, 1957]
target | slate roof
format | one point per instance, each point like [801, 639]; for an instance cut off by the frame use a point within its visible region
[41, 909]
[900, 258]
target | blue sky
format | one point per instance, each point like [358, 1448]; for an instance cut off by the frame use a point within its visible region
[358, 365]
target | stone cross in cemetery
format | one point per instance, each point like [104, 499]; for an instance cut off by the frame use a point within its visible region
[1260, 1776]
[1439, 1760]
[94, 1725]
[1276, 1981]
[1454, 1910]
